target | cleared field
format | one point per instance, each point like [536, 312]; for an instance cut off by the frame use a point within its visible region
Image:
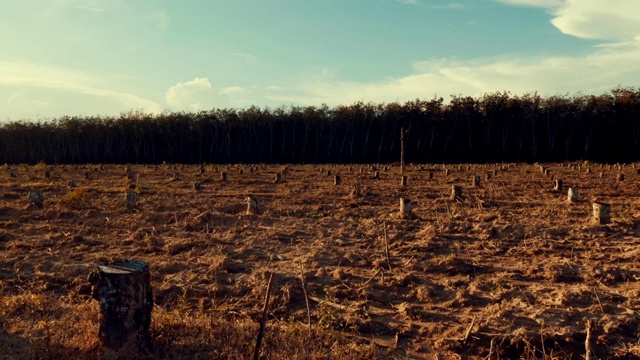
[509, 270]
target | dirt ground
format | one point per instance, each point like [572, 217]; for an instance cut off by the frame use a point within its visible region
[510, 269]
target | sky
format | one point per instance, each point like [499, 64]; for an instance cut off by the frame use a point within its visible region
[108, 57]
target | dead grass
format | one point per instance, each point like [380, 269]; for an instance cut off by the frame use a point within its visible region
[512, 254]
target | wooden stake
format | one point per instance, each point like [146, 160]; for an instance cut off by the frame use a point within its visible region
[386, 244]
[587, 342]
[402, 150]
[263, 320]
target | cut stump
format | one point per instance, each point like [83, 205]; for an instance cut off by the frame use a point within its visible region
[601, 213]
[126, 300]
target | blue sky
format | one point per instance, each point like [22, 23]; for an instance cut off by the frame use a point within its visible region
[91, 57]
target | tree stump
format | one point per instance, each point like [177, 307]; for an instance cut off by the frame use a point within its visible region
[601, 213]
[131, 199]
[557, 185]
[495, 172]
[446, 172]
[126, 300]
[588, 171]
[403, 181]
[456, 193]
[337, 180]
[197, 186]
[47, 174]
[252, 205]
[547, 172]
[376, 175]
[430, 175]
[356, 191]
[223, 176]
[620, 177]
[572, 195]
[202, 169]
[87, 176]
[36, 198]
[12, 173]
[601, 174]
[405, 208]
[277, 178]
[488, 176]
[475, 181]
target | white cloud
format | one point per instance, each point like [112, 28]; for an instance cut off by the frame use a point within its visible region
[601, 71]
[612, 20]
[196, 94]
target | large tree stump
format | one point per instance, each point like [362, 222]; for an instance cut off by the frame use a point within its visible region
[337, 180]
[572, 195]
[601, 213]
[126, 300]
[620, 177]
[403, 181]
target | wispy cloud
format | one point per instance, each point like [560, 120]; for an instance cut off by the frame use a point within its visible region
[598, 72]
[23, 75]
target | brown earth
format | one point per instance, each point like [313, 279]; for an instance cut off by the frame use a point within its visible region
[509, 270]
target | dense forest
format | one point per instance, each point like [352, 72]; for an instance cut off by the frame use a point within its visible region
[494, 127]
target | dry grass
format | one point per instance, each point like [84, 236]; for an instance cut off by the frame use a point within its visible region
[512, 254]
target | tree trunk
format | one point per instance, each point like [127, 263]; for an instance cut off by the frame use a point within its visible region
[126, 300]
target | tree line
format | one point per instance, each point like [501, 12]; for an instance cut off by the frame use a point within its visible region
[494, 127]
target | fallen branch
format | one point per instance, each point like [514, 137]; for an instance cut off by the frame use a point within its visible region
[468, 333]
[373, 277]
[263, 320]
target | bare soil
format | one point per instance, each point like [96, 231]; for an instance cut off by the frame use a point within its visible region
[509, 270]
